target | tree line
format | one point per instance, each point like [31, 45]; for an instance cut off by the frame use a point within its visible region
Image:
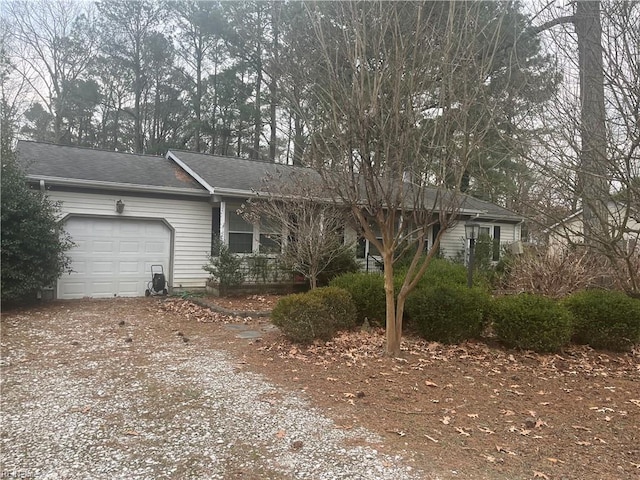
[244, 78]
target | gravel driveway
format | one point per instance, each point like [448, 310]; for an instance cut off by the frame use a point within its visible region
[119, 389]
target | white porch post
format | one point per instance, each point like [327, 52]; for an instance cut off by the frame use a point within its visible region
[224, 234]
[255, 246]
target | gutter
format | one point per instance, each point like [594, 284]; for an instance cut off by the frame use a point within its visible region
[132, 187]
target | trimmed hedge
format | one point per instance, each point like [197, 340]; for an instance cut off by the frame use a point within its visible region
[448, 313]
[367, 291]
[344, 262]
[303, 318]
[339, 304]
[605, 319]
[531, 322]
[444, 272]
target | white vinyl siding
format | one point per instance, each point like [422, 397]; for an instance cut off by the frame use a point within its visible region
[454, 245]
[452, 242]
[189, 219]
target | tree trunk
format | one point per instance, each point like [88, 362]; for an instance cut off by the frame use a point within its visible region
[592, 174]
[257, 119]
[197, 101]
[273, 84]
[213, 120]
[394, 328]
[137, 120]
[298, 140]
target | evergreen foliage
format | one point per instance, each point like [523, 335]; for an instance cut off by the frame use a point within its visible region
[225, 268]
[339, 304]
[448, 313]
[34, 244]
[303, 318]
[531, 322]
[605, 319]
[367, 291]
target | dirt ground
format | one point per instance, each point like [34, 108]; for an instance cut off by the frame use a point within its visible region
[472, 411]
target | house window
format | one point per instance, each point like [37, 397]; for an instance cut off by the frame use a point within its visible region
[270, 238]
[373, 251]
[361, 247]
[215, 231]
[240, 234]
[496, 244]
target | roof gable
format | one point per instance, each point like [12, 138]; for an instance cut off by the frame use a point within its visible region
[231, 174]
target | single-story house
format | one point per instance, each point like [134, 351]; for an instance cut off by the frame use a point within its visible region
[126, 212]
[570, 231]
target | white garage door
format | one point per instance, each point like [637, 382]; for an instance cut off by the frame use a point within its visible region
[113, 256]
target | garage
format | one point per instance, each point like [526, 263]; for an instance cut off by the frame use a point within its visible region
[113, 256]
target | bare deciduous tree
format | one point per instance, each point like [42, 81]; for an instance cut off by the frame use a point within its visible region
[409, 101]
[307, 228]
[593, 134]
[53, 50]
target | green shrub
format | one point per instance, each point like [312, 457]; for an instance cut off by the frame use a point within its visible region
[367, 291]
[439, 272]
[442, 271]
[340, 305]
[303, 318]
[448, 313]
[225, 267]
[531, 322]
[343, 262]
[34, 244]
[605, 319]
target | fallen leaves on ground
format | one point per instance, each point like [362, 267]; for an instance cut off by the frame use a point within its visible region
[359, 347]
[443, 402]
[192, 311]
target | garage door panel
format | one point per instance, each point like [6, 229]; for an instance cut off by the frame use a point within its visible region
[100, 246]
[100, 289]
[79, 267]
[113, 256]
[129, 247]
[102, 268]
[128, 289]
[73, 290]
[132, 228]
[103, 227]
[155, 247]
[129, 268]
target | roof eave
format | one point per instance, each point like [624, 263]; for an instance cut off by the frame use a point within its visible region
[99, 184]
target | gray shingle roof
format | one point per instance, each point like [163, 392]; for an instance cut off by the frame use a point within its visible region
[50, 160]
[241, 174]
[490, 210]
[226, 173]
[231, 172]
